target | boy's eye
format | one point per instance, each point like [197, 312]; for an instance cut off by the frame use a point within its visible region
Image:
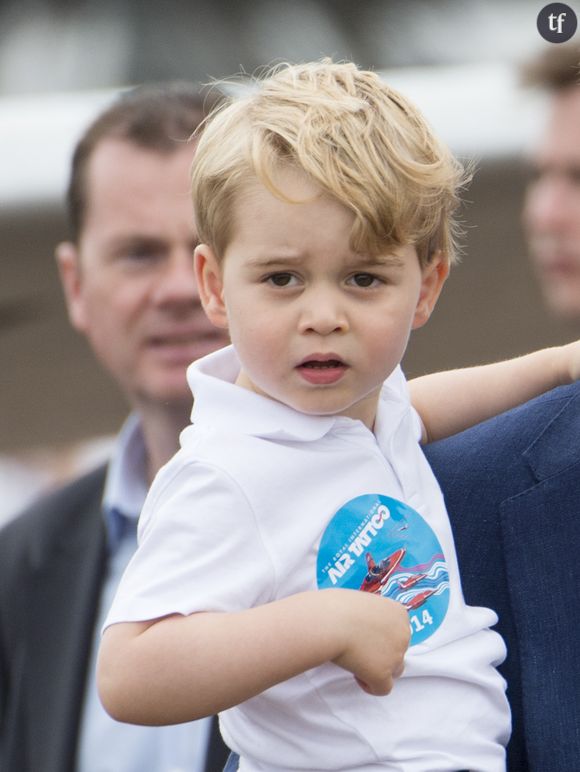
[364, 280]
[280, 279]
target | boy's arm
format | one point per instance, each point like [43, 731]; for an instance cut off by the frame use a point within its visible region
[451, 401]
[181, 668]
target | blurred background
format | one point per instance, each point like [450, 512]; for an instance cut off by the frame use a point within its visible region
[62, 60]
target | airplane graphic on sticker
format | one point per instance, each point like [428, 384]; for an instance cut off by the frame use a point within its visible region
[378, 544]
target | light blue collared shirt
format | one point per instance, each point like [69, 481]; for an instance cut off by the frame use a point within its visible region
[104, 744]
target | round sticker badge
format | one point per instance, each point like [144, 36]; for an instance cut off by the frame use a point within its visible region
[378, 544]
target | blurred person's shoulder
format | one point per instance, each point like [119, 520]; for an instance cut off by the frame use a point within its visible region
[21, 482]
[53, 519]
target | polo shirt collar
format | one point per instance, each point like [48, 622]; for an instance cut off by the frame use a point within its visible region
[219, 403]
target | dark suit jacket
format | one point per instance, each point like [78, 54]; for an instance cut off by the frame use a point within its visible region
[512, 487]
[52, 561]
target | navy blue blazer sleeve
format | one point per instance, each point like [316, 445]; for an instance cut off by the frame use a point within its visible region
[512, 488]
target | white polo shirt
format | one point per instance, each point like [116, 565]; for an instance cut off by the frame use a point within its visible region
[262, 502]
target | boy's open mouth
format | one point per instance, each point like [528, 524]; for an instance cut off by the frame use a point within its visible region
[326, 364]
[322, 369]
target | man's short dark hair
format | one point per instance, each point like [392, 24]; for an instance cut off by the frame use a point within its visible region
[555, 68]
[158, 117]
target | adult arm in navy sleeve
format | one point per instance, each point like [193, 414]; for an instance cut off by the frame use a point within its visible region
[512, 488]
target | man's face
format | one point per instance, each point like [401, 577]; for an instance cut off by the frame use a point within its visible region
[129, 282]
[552, 207]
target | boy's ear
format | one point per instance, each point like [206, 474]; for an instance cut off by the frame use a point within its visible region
[208, 275]
[433, 278]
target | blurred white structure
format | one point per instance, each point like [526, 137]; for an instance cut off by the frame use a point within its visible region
[478, 109]
[37, 136]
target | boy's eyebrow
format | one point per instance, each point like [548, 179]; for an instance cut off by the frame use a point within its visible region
[357, 260]
[266, 261]
[386, 260]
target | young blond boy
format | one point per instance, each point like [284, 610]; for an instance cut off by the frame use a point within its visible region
[324, 205]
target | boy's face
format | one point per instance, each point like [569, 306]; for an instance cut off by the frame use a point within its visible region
[315, 325]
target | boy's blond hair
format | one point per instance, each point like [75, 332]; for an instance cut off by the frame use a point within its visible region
[359, 140]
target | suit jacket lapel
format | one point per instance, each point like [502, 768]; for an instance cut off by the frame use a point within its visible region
[558, 444]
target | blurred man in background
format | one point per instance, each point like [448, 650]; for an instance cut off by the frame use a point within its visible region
[552, 206]
[128, 280]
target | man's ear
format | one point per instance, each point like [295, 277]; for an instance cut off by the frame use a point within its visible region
[68, 262]
[433, 277]
[208, 275]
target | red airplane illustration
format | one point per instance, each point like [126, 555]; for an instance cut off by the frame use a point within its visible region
[404, 584]
[378, 573]
[419, 599]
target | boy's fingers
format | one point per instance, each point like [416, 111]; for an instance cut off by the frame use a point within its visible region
[378, 689]
[363, 685]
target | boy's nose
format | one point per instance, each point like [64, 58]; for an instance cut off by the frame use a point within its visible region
[323, 317]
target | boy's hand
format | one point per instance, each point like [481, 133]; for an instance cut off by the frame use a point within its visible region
[376, 636]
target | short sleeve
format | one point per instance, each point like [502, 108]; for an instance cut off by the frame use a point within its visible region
[416, 424]
[200, 549]
[395, 392]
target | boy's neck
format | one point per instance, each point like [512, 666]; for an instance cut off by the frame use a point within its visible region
[365, 411]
